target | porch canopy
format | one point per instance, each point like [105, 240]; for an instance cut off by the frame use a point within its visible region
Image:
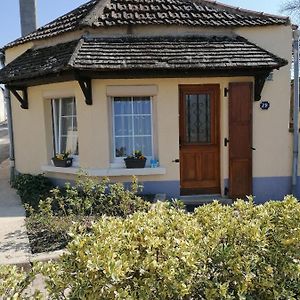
[92, 58]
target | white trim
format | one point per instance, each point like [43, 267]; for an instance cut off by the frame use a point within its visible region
[131, 90]
[59, 93]
[106, 172]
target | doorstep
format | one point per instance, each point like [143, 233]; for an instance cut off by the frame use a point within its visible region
[110, 172]
[204, 199]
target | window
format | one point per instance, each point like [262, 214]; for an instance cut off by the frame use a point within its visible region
[132, 126]
[65, 126]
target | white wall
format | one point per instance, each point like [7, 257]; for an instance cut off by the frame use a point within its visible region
[2, 106]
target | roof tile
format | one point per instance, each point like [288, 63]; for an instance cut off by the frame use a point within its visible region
[107, 13]
[160, 53]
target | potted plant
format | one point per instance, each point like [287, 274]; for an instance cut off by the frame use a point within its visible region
[135, 161]
[63, 160]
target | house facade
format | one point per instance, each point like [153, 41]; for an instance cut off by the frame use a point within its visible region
[201, 88]
[2, 106]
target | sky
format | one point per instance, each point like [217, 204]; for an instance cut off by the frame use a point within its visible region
[48, 10]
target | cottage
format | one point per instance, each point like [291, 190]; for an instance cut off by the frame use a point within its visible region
[200, 87]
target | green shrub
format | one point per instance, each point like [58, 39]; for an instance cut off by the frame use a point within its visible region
[219, 252]
[91, 197]
[253, 252]
[15, 283]
[145, 256]
[48, 226]
[32, 188]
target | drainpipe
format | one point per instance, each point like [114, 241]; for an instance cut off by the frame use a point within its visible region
[296, 112]
[7, 100]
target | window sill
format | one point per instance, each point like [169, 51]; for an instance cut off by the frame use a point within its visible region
[106, 172]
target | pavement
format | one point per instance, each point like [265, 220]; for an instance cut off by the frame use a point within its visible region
[14, 243]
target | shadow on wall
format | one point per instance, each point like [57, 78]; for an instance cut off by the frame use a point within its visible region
[264, 188]
[271, 188]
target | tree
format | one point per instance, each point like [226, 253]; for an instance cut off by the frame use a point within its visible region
[291, 7]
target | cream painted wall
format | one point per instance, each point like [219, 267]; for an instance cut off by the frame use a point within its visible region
[33, 131]
[13, 53]
[94, 124]
[271, 137]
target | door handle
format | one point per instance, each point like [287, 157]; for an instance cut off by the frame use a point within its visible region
[226, 142]
[176, 161]
[252, 148]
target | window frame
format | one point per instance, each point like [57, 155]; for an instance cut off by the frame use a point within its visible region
[58, 115]
[119, 161]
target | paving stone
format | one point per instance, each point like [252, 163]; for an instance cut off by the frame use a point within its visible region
[14, 243]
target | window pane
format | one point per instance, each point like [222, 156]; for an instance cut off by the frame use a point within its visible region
[123, 146]
[75, 123]
[143, 144]
[69, 144]
[122, 105]
[65, 129]
[142, 125]
[123, 126]
[132, 125]
[198, 118]
[142, 105]
[67, 107]
[63, 144]
[66, 125]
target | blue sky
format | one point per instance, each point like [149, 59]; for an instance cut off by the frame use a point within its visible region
[50, 9]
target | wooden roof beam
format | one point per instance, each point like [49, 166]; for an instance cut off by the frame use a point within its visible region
[86, 87]
[23, 99]
[260, 81]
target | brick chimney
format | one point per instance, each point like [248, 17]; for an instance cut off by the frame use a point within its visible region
[28, 16]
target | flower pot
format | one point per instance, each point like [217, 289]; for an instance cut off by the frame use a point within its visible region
[135, 163]
[62, 163]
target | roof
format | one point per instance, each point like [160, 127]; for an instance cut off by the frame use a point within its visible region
[160, 53]
[108, 13]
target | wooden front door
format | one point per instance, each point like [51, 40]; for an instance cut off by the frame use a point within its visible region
[199, 139]
[240, 139]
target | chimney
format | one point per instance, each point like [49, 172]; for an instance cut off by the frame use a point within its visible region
[28, 16]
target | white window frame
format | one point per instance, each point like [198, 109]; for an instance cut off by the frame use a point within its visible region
[57, 114]
[119, 161]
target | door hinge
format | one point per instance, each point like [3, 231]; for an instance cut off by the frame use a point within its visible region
[226, 92]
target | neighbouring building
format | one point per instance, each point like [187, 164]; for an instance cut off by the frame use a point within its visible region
[187, 82]
[2, 106]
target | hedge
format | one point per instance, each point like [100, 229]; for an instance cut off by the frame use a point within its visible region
[241, 251]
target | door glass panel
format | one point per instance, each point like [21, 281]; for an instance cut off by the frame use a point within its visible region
[198, 118]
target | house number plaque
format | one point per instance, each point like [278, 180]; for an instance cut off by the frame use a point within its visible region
[265, 105]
